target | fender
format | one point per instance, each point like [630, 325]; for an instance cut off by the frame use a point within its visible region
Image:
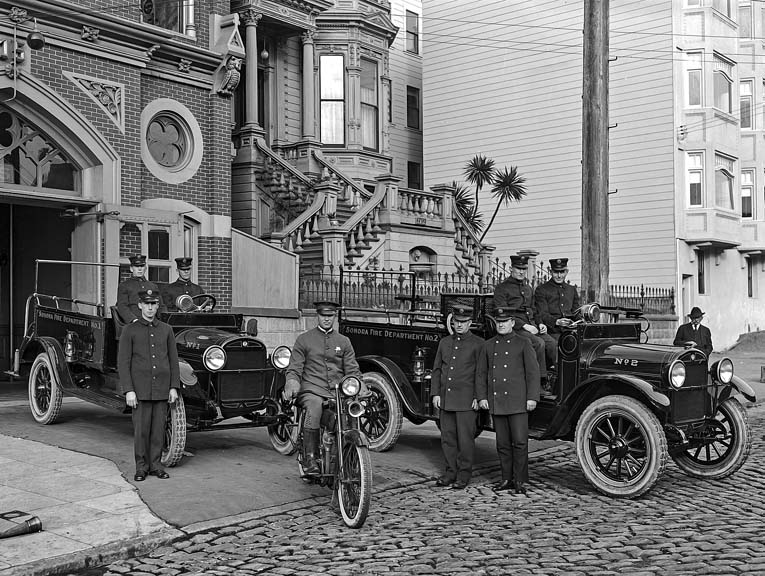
[55, 352]
[397, 378]
[743, 387]
[355, 437]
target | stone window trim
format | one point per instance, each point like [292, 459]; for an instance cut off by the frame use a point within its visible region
[192, 159]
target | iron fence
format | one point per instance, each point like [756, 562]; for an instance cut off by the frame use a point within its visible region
[403, 290]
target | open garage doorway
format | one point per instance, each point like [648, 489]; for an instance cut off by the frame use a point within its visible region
[28, 233]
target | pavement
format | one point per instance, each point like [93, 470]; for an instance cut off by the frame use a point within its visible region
[92, 515]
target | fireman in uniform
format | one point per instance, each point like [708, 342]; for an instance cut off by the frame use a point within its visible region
[508, 376]
[183, 285]
[454, 391]
[147, 361]
[553, 301]
[320, 358]
[128, 290]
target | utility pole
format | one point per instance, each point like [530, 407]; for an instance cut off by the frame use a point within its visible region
[595, 253]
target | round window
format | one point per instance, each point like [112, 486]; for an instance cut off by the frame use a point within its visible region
[172, 145]
[168, 141]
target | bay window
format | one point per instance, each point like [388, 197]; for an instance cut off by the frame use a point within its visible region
[332, 96]
[369, 110]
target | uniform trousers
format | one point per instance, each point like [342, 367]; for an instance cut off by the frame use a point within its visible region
[539, 348]
[149, 419]
[458, 443]
[312, 405]
[551, 349]
[512, 431]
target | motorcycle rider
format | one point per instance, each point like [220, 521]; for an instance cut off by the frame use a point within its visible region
[320, 358]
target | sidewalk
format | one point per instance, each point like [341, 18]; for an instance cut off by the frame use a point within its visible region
[89, 512]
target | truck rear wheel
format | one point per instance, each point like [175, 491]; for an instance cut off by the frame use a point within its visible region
[175, 433]
[44, 391]
[382, 419]
[725, 446]
[621, 446]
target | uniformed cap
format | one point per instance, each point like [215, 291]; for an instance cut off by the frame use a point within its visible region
[521, 262]
[138, 260]
[148, 296]
[558, 264]
[326, 308]
[184, 263]
[504, 313]
[462, 313]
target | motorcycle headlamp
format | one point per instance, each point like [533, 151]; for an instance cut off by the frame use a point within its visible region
[723, 370]
[350, 386]
[677, 374]
[281, 357]
[214, 358]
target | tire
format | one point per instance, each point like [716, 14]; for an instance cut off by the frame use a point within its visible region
[354, 485]
[284, 437]
[44, 390]
[621, 446]
[382, 419]
[727, 448]
[175, 434]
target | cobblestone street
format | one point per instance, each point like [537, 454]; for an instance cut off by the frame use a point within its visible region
[683, 526]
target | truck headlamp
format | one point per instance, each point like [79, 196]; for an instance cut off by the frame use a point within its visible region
[677, 374]
[723, 370]
[214, 358]
[281, 357]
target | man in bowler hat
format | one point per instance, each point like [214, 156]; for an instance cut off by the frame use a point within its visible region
[128, 290]
[553, 301]
[514, 293]
[183, 285]
[147, 361]
[454, 391]
[508, 376]
[694, 334]
[320, 358]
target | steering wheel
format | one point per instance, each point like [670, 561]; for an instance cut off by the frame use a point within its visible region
[207, 300]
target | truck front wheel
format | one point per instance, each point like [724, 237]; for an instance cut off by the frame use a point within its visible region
[621, 446]
[382, 419]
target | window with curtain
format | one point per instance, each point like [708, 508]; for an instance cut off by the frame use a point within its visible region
[695, 169]
[412, 32]
[332, 96]
[747, 192]
[745, 107]
[166, 14]
[744, 21]
[751, 277]
[723, 6]
[695, 79]
[412, 107]
[414, 175]
[724, 170]
[369, 106]
[723, 83]
[701, 272]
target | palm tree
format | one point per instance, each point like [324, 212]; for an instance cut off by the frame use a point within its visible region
[467, 208]
[479, 171]
[507, 186]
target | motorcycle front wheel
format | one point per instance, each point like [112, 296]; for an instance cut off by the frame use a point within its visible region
[354, 485]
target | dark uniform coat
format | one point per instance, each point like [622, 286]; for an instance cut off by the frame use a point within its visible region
[320, 360]
[553, 301]
[454, 376]
[148, 360]
[701, 336]
[170, 292]
[516, 295]
[508, 374]
[127, 297]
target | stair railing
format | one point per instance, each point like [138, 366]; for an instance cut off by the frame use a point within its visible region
[303, 229]
[355, 194]
[467, 242]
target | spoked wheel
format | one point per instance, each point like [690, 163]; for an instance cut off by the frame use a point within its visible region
[724, 446]
[44, 392]
[621, 446]
[175, 433]
[354, 485]
[284, 436]
[382, 417]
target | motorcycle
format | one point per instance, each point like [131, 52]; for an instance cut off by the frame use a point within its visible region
[344, 462]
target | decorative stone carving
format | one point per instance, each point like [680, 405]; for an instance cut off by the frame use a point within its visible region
[17, 15]
[89, 33]
[109, 96]
[150, 52]
[251, 16]
[184, 65]
[231, 76]
[308, 36]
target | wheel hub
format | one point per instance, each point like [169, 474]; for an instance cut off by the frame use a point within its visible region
[618, 447]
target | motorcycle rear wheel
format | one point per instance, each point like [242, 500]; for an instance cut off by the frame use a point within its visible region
[354, 485]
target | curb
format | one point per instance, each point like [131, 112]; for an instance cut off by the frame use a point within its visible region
[96, 556]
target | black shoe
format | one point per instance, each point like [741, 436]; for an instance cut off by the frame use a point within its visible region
[520, 488]
[504, 485]
[139, 476]
[311, 468]
[161, 474]
[444, 481]
[458, 485]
